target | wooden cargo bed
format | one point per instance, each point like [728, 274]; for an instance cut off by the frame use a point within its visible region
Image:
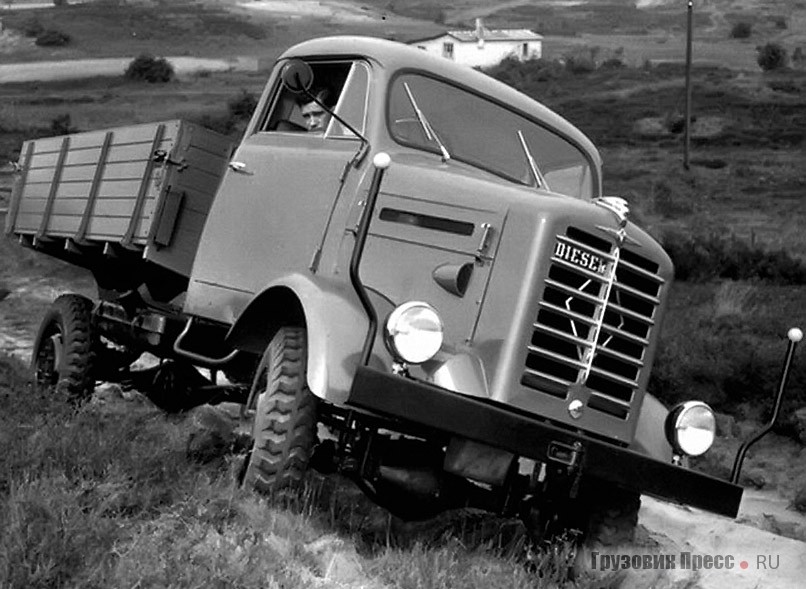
[144, 189]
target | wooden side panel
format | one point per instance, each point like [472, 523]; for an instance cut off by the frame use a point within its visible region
[204, 156]
[112, 186]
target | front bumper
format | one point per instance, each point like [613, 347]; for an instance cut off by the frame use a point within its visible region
[432, 407]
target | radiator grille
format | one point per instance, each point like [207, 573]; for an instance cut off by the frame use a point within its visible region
[593, 324]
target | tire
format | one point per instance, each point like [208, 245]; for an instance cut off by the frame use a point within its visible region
[62, 360]
[285, 417]
[603, 515]
[612, 516]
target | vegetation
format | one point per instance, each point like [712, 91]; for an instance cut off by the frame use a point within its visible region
[108, 495]
[741, 30]
[147, 68]
[772, 56]
[52, 38]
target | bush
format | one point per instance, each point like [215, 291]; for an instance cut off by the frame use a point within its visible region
[242, 106]
[613, 63]
[52, 38]
[702, 258]
[62, 125]
[772, 56]
[147, 68]
[580, 65]
[741, 30]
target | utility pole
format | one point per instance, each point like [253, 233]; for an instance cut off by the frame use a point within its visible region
[687, 121]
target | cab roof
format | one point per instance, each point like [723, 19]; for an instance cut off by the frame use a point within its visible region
[393, 56]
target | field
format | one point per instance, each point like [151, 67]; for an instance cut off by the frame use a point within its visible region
[116, 495]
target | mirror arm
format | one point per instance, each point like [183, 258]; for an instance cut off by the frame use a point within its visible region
[312, 96]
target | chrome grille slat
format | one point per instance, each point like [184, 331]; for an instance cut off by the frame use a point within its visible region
[537, 373]
[555, 356]
[613, 329]
[607, 256]
[568, 313]
[572, 291]
[613, 377]
[635, 292]
[583, 271]
[624, 357]
[642, 272]
[561, 334]
[595, 320]
[621, 402]
[631, 314]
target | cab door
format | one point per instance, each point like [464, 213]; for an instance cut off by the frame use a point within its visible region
[272, 209]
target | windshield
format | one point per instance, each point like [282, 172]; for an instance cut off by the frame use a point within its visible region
[484, 134]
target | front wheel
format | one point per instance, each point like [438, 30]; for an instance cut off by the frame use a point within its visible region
[62, 356]
[612, 516]
[285, 418]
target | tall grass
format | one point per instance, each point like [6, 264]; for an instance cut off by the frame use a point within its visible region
[106, 495]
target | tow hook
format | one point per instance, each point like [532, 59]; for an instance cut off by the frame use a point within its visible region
[794, 335]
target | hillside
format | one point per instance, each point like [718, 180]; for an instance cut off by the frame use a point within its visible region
[119, 494]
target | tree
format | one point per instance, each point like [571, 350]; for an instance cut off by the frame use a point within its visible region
[772, 56]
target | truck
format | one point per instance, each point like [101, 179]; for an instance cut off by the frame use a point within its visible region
[431, 275]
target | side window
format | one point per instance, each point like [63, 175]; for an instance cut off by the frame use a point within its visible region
[352, 104]
[296, 113]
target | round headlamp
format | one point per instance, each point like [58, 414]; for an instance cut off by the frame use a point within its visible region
[414, 332]
[691, 428]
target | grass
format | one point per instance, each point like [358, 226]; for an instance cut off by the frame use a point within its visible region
[106, 495]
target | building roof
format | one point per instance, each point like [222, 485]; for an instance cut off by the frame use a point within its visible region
[489, 35]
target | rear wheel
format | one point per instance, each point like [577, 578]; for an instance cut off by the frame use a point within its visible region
[285, 417]
[62, 358]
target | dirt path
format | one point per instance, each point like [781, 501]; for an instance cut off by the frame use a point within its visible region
[86, 68]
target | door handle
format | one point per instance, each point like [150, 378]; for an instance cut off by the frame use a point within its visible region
[239, 167]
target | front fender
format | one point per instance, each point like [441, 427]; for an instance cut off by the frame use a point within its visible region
[335, 322]
[650, 438]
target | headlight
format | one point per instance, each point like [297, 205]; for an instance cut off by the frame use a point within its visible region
[414, 332]
[690, 428]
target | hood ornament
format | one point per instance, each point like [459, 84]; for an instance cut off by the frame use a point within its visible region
[621, 210]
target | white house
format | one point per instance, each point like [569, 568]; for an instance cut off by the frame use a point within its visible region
[483, 47]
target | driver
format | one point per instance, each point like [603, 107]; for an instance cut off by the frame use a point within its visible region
[316, 117]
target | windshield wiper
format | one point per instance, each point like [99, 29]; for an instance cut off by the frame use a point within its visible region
[538, 177]
[430, 134]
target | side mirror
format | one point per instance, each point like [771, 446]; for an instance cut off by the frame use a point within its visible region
[297, 76]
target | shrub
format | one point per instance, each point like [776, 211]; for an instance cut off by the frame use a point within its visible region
[147, 68]
[701, 258]
[580, 65]
[242, 106]
[62, 125]
[52, 38]
[612, 63]
[741, 30]
[781, 23]
[772, 56]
